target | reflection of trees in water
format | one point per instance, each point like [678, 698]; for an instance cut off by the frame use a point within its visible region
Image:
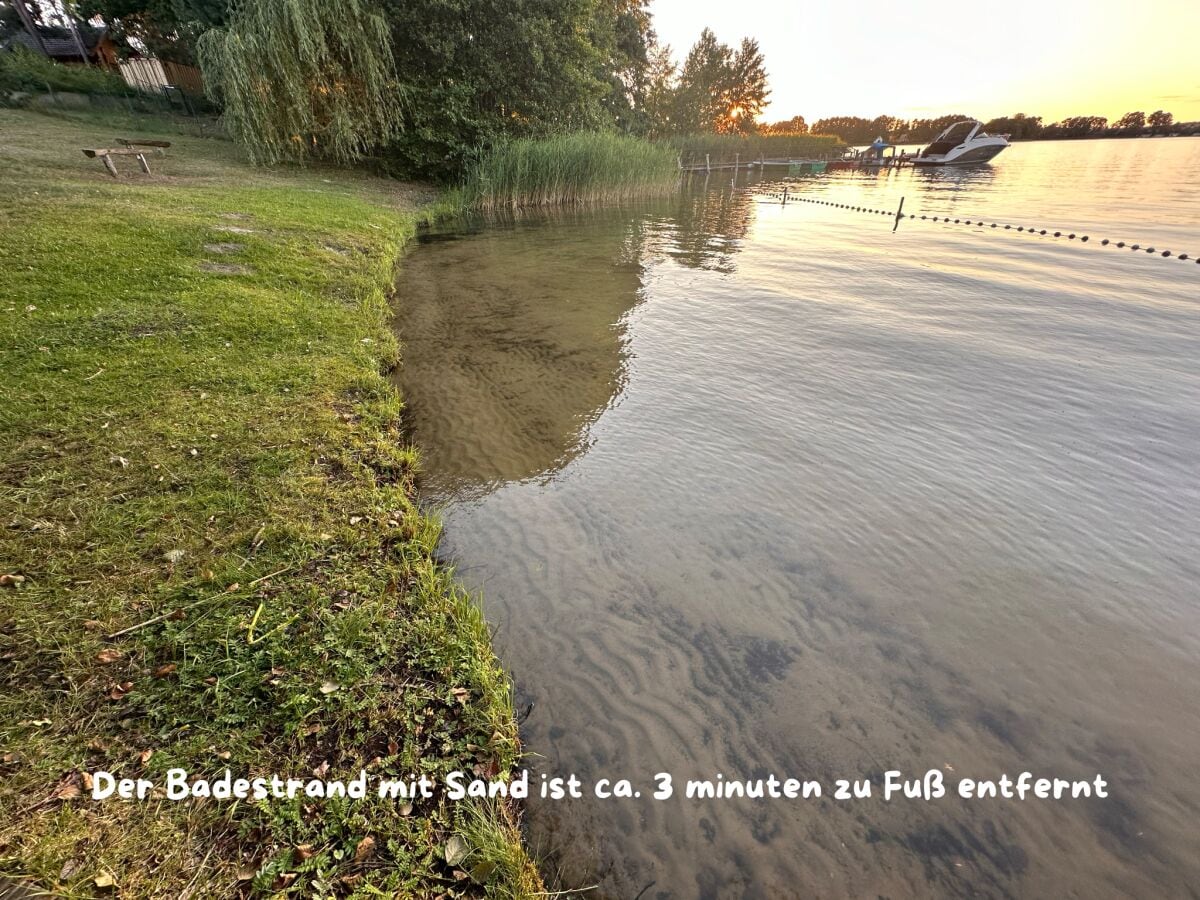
[514, 342]
[514, 327]
[708, 225]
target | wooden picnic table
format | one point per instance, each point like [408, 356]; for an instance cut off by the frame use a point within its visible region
[136, 149]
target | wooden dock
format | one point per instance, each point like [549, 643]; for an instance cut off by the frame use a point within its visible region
[760, 163]
[810, 163]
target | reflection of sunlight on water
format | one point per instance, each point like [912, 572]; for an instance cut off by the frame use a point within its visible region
[754, 488]
[1124, 190]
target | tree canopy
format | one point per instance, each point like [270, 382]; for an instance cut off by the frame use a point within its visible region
[720, 89]
[166, 28]
[304, 78]
[481, 70]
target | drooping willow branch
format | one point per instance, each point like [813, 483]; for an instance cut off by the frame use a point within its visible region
[304, 78]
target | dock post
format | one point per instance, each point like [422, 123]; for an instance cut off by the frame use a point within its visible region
[784, 197]
[737, 162]
[899, 214]
[707, 163]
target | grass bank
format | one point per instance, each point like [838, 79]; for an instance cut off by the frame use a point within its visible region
[197, 448]
[569, 169]
[23, 70]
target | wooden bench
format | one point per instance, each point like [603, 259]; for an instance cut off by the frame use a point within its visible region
[157, 145]
[136, 149]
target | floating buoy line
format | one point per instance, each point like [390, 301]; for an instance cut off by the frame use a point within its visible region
[900, 215]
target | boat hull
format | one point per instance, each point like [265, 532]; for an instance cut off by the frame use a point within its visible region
[972, 156]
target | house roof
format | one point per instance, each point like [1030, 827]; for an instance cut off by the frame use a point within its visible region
[57, 47]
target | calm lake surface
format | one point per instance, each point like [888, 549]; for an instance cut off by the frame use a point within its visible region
[752, 488]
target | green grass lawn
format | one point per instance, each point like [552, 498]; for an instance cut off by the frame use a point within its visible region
[195, 434]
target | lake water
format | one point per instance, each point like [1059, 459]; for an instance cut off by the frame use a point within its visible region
[752, 488]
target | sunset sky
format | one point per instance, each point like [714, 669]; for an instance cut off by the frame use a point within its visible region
[917, 58]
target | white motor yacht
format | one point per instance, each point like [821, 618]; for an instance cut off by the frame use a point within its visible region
[962, 144]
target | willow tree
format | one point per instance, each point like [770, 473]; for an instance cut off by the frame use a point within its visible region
[304, 78]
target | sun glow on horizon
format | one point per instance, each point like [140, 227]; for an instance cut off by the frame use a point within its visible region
[1048, 58]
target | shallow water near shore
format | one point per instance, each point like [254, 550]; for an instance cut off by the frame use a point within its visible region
[752, 488]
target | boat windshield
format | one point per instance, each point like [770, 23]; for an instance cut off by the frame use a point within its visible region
[959, 132]
[951, 138]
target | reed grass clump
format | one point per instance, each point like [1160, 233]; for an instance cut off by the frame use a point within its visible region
[691, 148]
[569, 169]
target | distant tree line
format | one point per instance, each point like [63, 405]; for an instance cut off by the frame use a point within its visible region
[1132, 124]
[1019, 127]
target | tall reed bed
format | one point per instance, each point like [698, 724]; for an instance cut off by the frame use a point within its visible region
[726, 147]
[569, 169]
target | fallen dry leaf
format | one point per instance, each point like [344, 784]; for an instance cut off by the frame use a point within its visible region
[164, 671]
[144, 756]
[104, 880]
[456, 851]
[11, 580]
[68, 788]
[482, 872]
[69, 868]
[247, 872]
[329, 687]
[108, 656]
[304, 851]
[284, 881]
[364, 849]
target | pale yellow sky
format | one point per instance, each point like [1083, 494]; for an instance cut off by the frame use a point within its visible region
[920, 58]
